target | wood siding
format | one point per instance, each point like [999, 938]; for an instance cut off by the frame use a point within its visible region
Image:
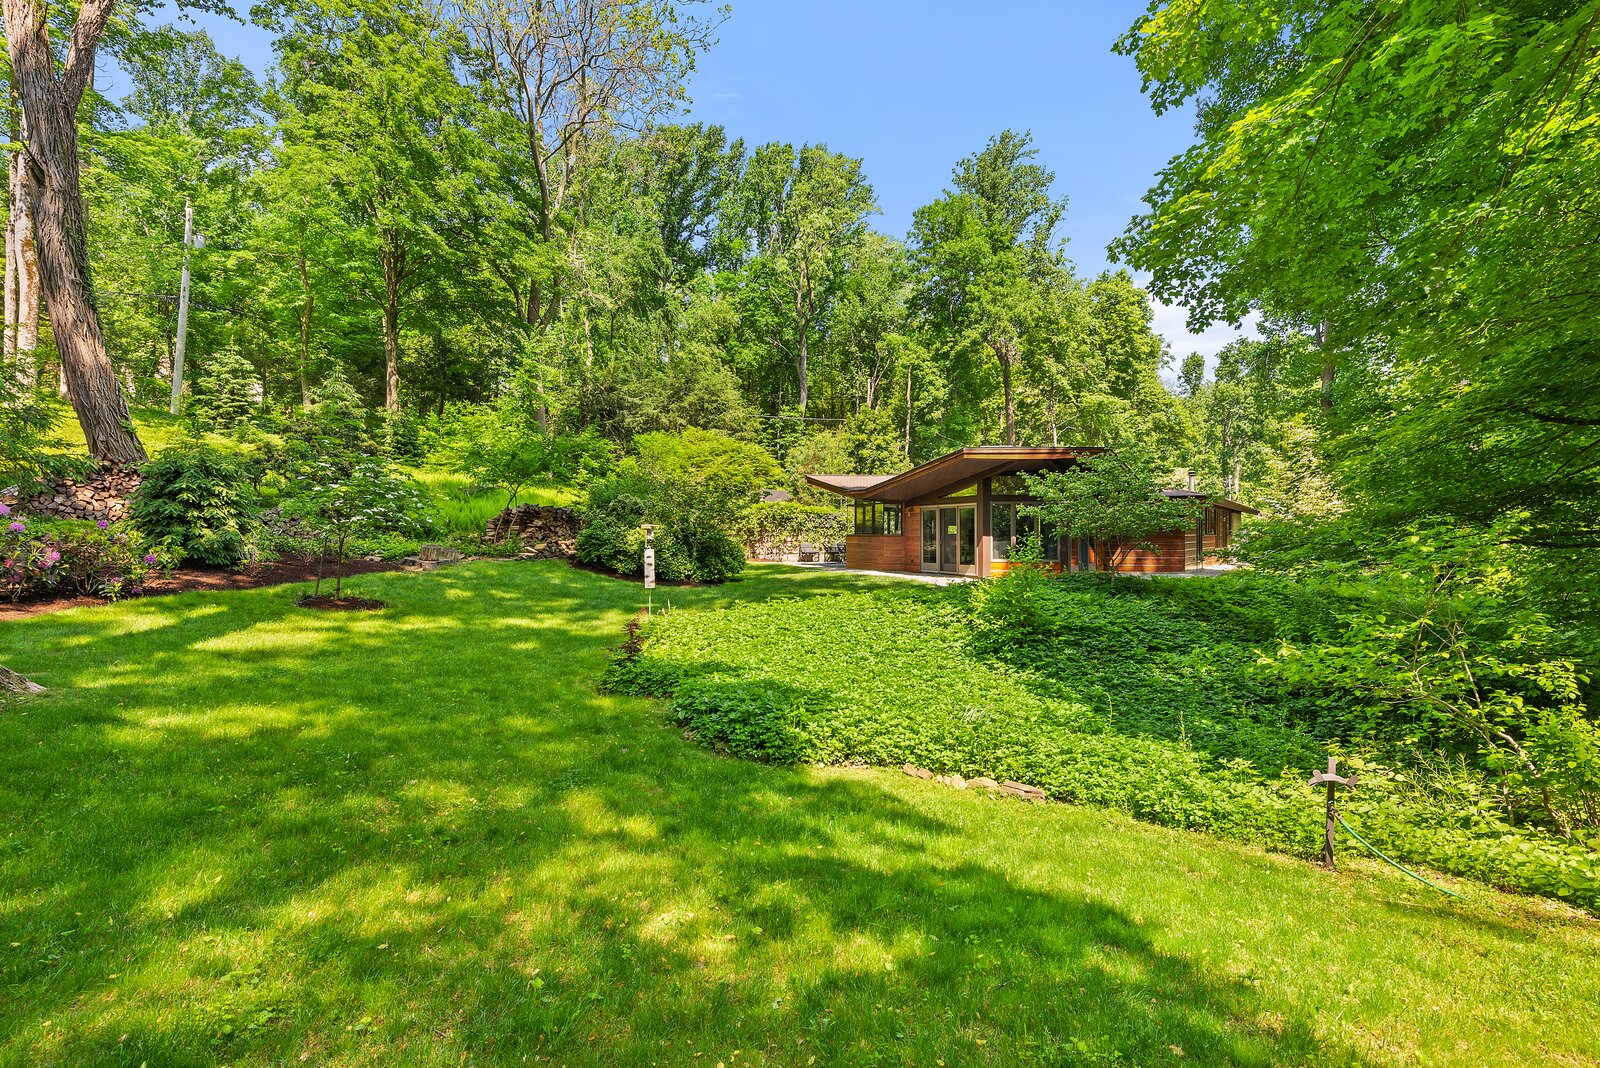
[884, 552]
[1173, 552]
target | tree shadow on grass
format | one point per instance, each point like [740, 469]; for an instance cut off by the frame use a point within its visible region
[426, 838]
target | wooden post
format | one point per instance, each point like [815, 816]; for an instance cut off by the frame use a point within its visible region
[1334, 780]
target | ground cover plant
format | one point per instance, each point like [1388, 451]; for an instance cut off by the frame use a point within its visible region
[489, 861]
[1170, 708]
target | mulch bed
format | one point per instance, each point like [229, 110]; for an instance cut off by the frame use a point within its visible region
[280, 572]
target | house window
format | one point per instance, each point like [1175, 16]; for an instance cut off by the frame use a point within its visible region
[930, 535]
[1010, 523]
[875, 518]
[1008, 486]
[1000, 528]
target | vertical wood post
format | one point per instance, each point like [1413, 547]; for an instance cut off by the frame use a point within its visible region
[1333, 779]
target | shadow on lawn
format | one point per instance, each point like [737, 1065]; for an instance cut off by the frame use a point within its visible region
[245, 855]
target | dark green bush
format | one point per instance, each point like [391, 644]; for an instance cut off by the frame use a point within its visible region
[199, 500]
[690, 540]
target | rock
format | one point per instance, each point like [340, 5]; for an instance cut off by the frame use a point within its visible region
[983, 782]
[953, 781]
[12, 682]
[103, 494]
[438, 554]
[921, 773]
[1023, 790]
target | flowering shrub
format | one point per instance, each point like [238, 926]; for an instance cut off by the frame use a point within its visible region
[99, 560]
[332, 506]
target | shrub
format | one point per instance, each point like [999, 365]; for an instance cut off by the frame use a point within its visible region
[334, 505]
[225, 392]
[690, 541]
[199, 501]
[772, 528]
[96, 559]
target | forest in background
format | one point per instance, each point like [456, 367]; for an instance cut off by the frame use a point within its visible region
[474, 207]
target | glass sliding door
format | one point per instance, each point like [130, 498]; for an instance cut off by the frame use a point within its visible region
[947, 539]
[950, 539]
[968, 522]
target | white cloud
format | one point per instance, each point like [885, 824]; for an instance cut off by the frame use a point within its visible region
[1171, 323]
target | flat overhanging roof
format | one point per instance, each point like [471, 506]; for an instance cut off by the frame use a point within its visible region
[965, 466]
[953, 470]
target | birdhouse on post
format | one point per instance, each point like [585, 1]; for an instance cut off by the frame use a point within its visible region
[649, 555]
[1333, 780]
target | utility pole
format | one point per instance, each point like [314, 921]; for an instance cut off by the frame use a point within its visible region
[190, 240]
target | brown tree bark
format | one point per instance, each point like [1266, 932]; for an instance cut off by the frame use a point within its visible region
[22, 297]
[1323, 329]
[308, 303]
[393, 257]
[1005, 351]
[51, 176]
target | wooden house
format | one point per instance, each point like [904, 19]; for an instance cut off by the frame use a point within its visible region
[963, 513]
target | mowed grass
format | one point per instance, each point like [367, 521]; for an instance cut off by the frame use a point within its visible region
[241, 832]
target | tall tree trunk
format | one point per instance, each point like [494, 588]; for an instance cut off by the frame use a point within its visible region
[308, 302]
[1323, 329]
[908, 412]
[51, 161]
[1006, 353]
[22, 268]
[802, 357]
[393, 259]
[8, 339]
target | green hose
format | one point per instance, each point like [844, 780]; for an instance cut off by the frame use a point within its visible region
[1379, 854]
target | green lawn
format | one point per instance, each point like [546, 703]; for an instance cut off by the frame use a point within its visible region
[242, 832]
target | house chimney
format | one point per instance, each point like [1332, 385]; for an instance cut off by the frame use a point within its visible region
[1194, 478]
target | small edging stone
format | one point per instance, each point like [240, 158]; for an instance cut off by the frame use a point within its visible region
[1014, 789]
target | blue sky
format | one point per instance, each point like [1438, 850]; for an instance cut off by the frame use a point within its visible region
[911, 87]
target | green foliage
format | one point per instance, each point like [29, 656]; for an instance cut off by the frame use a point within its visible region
[1410, 185]
[225, 392]
[690, 540]
[1162, 700]
[1114, 499]
[778, 527]
[498, 450]
[29, 447]
[199, 501]
[333, 505]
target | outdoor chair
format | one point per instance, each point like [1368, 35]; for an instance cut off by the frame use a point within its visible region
[808, 553]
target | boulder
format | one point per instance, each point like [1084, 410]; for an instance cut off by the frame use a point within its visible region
[1023, 790]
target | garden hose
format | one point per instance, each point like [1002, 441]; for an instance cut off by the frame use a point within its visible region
[1379, 854]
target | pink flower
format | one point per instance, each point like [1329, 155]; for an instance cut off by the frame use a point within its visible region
[52, 557]
[150, 558]
[102, 524]
[4, 510]
[17, 528]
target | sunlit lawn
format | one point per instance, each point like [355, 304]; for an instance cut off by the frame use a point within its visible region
[242, 832]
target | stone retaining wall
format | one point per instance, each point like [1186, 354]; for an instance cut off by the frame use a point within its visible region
[104, 494]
